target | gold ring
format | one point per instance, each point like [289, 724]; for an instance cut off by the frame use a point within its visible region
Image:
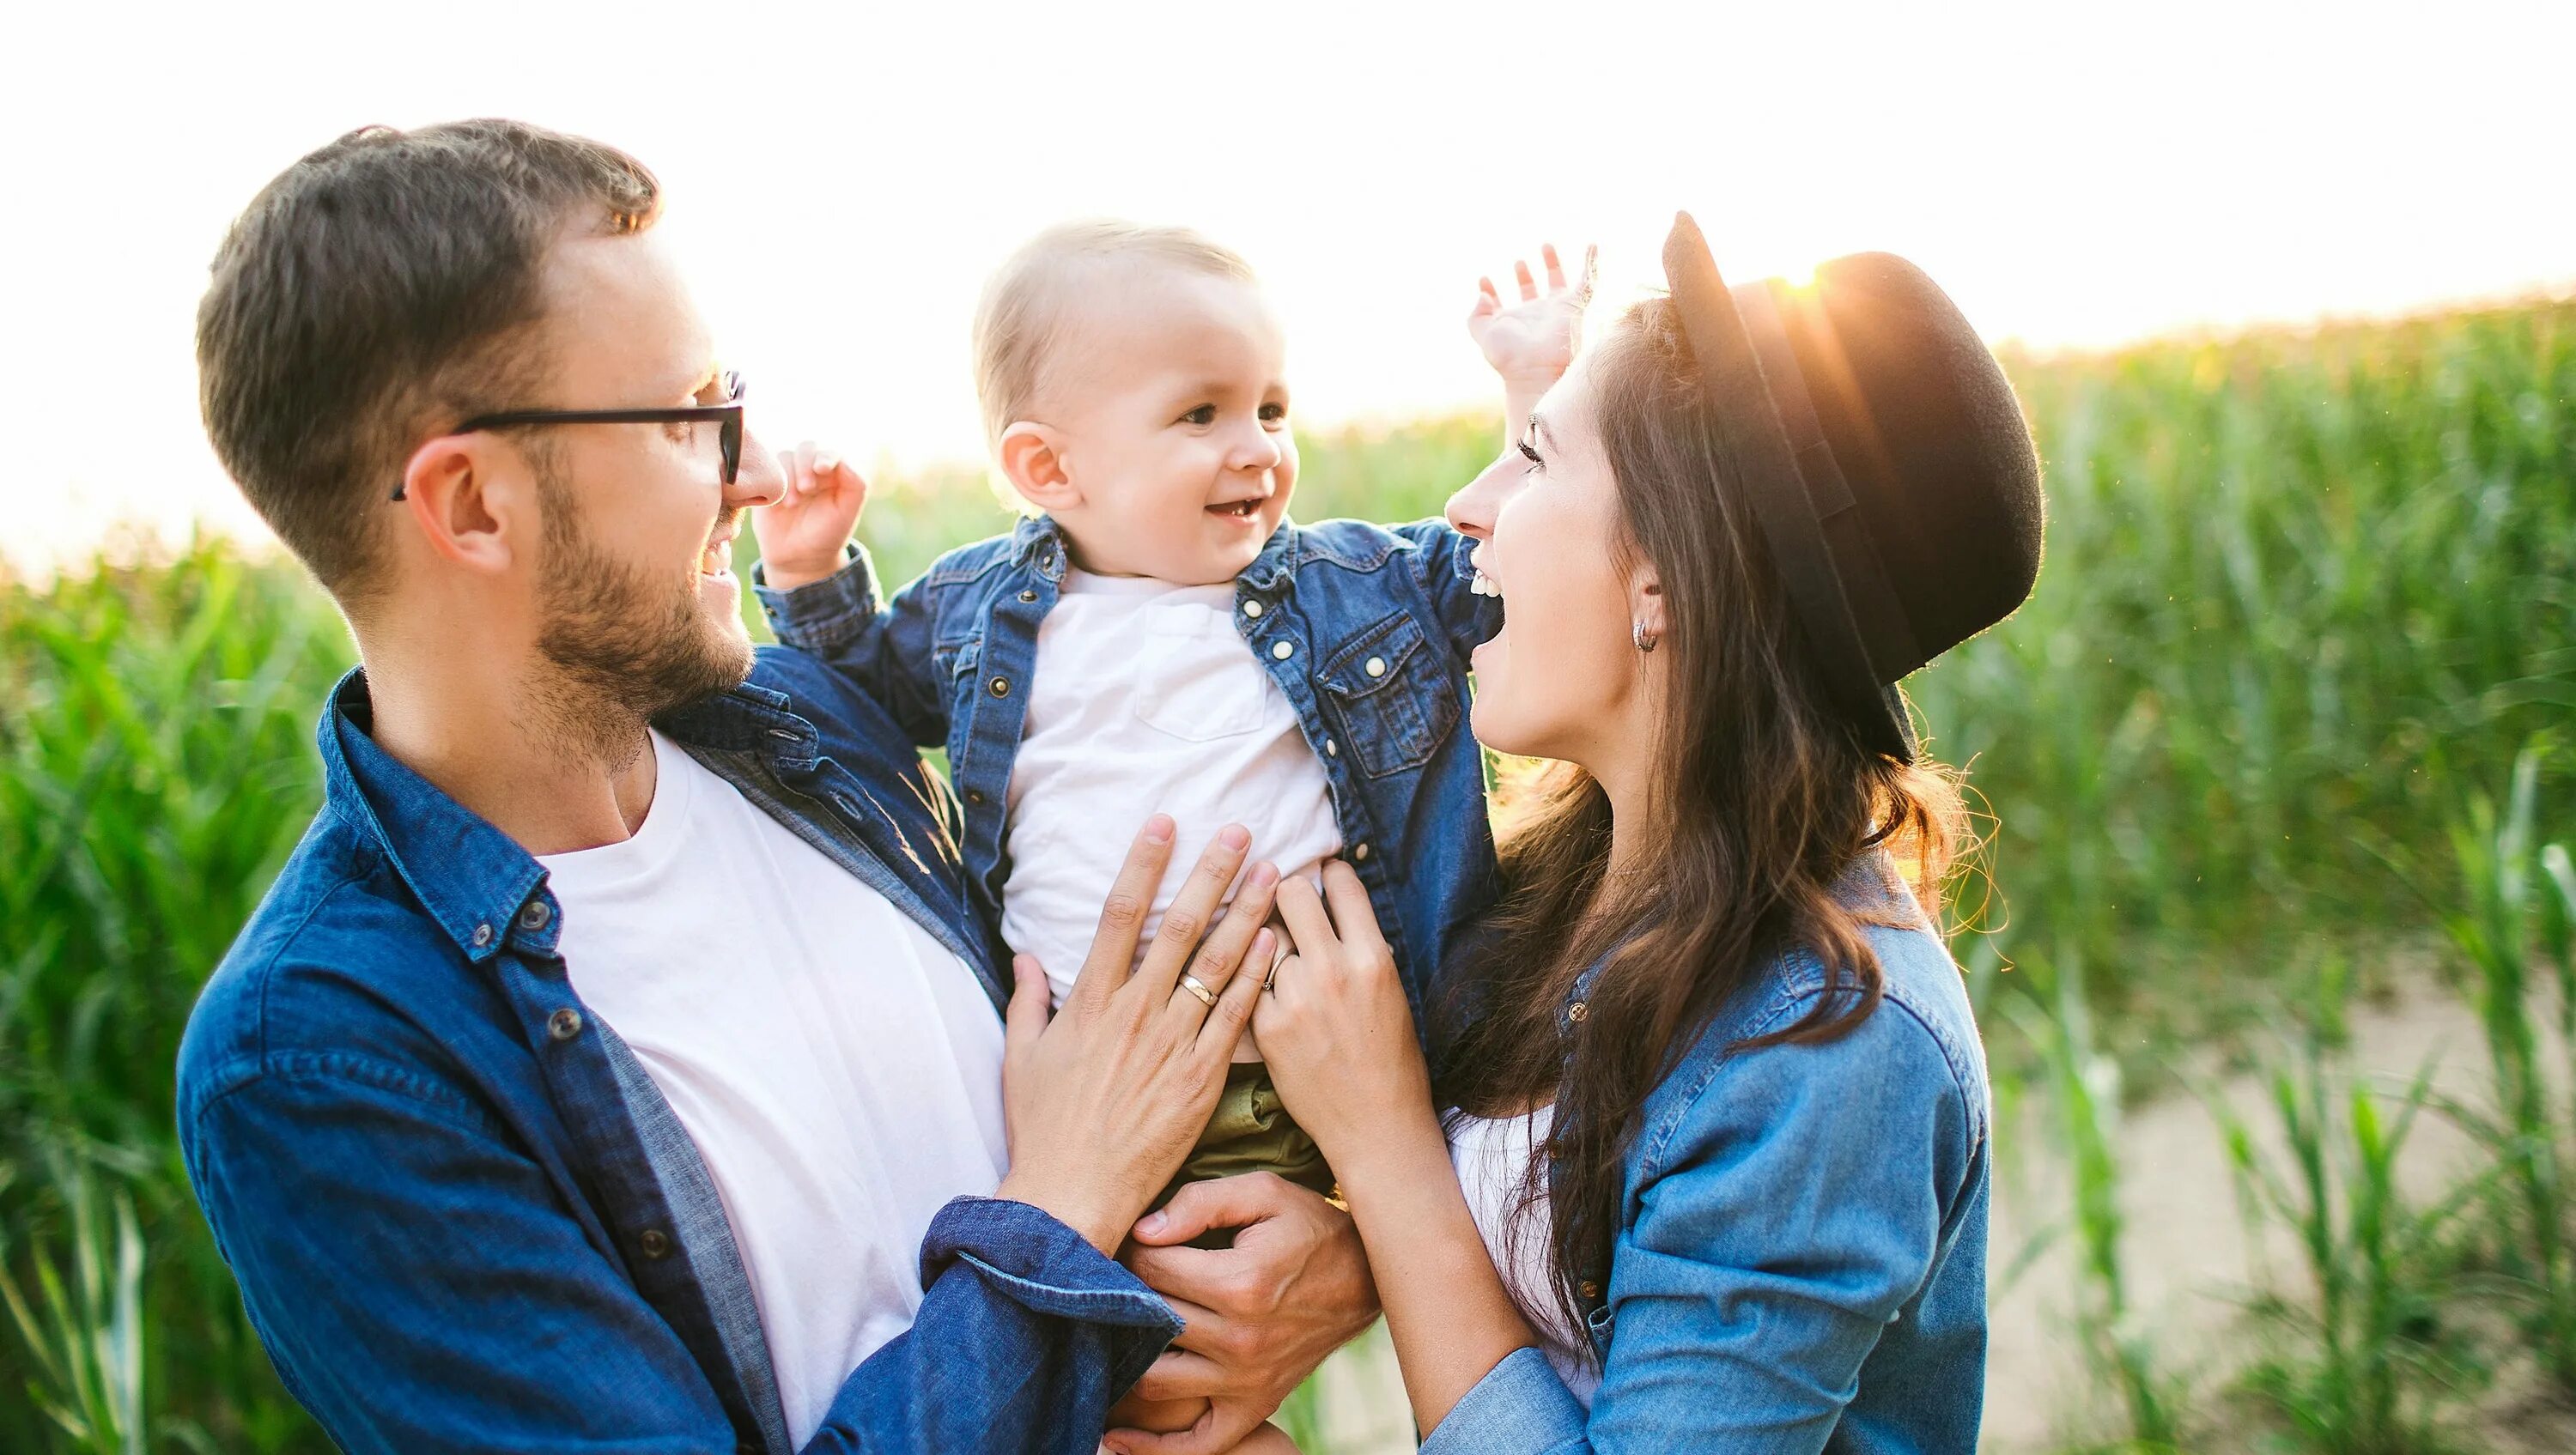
[1198, 987]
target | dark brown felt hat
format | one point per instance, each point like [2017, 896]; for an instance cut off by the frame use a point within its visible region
[1884, 457]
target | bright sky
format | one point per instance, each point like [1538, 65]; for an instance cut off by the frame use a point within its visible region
[841, 177]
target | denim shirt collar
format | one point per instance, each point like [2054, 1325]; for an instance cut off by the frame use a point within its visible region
[473, 880]
[1038, 544]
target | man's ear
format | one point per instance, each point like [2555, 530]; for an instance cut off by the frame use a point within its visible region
[473, 504]
[1032, 457]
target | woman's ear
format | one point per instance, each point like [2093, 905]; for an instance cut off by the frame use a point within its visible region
[1032, 457]
[468, 512]
[1646, 602]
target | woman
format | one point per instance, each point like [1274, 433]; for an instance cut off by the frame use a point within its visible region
[1720, 1109]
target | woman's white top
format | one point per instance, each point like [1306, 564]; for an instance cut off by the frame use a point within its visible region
[1145, 698]
[1492, 1155]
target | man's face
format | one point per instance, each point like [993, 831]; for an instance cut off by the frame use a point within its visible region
[637, 601]
[1174, 428]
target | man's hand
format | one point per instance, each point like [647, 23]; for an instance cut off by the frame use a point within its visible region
[1260, 1315]
[801, 533]
[1531, 343]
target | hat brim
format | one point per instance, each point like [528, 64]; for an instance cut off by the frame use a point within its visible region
[1827, 566]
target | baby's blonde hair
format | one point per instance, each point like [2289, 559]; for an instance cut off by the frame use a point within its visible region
[1020, 321]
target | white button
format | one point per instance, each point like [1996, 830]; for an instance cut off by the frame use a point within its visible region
[1282, 651]
[1332, 749]
[1252, 608]
[1376, 667]
[1360, 853]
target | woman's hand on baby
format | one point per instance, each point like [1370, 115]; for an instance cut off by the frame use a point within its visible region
[1103, 1098]
[802, 532]
[1531, 342]
[1336, 1029]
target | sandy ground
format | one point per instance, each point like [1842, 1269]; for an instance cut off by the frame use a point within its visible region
[2188, 1258]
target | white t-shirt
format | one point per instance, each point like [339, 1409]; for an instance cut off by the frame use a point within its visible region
[1492, 1155]
[839, 1069]
[1146, 699]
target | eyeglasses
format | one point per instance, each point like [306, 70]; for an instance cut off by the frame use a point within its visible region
[727, 415]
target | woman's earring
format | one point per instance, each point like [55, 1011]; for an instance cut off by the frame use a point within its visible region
[1644, 639]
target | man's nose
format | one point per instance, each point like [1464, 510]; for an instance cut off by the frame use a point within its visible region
[757, 480]
[1472, 510]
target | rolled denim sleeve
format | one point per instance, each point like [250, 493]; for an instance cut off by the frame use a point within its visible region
[422, 1287]
[1794, 1208]
[882, 648]
[1468, 619]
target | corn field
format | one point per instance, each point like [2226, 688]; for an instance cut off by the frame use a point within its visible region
[2293, 708]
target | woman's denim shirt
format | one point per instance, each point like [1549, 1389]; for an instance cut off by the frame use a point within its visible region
[1801, 1261]
[1365, 628]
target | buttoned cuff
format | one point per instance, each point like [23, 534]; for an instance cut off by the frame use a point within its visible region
[822, 616]
[1519, 1406]
[1034, 1260]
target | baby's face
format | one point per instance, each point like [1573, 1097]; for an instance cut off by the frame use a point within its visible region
[1170, 405]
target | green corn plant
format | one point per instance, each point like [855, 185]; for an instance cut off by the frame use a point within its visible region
[2355, 1366]
[2084, 1089]
[84, 1332]
[2493, 933]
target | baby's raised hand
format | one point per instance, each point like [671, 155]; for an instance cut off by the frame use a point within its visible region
[801, 533]
[1531, 342]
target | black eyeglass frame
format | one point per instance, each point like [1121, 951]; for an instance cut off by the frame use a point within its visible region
[727, 415]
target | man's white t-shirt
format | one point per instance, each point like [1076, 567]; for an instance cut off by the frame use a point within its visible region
[839, 1069]
[1145, 698]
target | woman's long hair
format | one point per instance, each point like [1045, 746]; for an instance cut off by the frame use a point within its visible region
[1764, 798]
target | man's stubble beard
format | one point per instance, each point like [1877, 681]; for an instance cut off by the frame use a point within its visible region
[619, 645]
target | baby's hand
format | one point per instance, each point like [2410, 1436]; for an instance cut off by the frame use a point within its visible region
[1532, 342]
[802, 533]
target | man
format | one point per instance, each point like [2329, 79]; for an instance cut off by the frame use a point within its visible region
[616, 1062]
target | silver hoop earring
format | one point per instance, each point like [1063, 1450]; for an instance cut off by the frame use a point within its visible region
[1644, 639]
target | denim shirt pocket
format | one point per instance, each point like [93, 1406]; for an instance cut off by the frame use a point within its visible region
[1395, 704]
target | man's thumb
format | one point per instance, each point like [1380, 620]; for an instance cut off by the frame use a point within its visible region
[1226, 1202]
[1026, 1015]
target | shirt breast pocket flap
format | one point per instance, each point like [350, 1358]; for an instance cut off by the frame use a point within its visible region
[1195, 679]
[952, 659]
[1395, 703]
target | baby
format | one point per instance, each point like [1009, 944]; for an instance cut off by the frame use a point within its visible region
[1159, 636]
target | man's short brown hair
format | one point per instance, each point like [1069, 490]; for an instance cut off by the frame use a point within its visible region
[378, 291]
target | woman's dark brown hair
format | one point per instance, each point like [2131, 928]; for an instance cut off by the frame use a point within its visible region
[1764, 798]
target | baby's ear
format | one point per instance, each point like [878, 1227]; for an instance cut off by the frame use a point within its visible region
[1032, 458]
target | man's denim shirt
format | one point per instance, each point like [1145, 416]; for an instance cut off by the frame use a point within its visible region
[1366, 628]
[463, 1217]
[1801, 1259]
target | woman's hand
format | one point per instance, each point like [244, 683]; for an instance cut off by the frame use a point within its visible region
[1336, 1030]
[1104, 1098]
[1531, 343]
[801, 533]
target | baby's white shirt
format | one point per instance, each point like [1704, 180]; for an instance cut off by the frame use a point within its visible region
[1145, 698]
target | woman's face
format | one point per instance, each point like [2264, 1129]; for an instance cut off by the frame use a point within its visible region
[1559, 680]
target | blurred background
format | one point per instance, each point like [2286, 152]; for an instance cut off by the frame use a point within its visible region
[2271, 937]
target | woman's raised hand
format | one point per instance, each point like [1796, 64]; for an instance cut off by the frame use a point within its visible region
[1336, 1030]
[1104, 1098]
[1531, 342]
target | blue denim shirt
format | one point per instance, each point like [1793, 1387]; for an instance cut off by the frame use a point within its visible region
[1801, 1261]
[1366, 628]
[463, 1217]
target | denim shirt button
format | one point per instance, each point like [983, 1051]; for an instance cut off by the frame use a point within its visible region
[1588, 1289]
[1359, 853]
[482, 936]
[1252, 609]
[974, 795]
[1332, 749]
[534, 917]
[1027, 595]
[1283, 650]
[564, 1024]
[999, 686]
[1577, 1011]
[655, 1243]
[1375, 667]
